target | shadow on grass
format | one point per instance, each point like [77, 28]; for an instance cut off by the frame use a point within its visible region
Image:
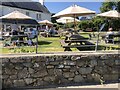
[44, 42]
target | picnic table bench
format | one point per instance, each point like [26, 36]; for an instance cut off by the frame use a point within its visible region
[67, 46]
[82, 42]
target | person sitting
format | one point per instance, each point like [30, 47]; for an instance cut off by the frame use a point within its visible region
[52, 31]
[14, 37]
[109, 36]
[32, 35]
[47, 33]
[14, 32]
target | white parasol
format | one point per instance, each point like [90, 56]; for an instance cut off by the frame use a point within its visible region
[46, 22]
[15, 15]
[74, 11]
[111, 13]
[67, 20]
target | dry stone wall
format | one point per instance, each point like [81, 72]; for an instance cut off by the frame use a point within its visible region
[50, 70]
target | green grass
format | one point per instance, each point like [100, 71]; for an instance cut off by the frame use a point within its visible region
[52, 44]
[49, 44]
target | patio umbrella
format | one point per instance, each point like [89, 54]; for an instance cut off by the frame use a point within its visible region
[74, 11]
[110, 14]
[17, 17]
[46, 22]
[67, 20]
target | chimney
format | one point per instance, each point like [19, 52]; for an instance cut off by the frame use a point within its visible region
[41, 1]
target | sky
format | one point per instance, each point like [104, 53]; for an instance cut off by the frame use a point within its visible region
[55, 6]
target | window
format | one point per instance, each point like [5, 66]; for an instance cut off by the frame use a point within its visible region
[38, 16]
[27, 13]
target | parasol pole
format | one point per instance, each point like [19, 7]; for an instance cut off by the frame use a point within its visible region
[74, 23]
[98, 35]
[47, 29]
[67, 24]
[36, 40]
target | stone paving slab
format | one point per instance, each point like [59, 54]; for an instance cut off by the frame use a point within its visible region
[113, 86]
[116, 85]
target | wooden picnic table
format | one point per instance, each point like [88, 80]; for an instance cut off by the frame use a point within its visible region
[81, 42]
[75, 41]
[75, 37]
[20, 38]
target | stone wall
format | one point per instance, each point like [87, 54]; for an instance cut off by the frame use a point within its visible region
[59, 70]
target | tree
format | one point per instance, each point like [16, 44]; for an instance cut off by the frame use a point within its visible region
[106, 6]
[118, 6]
[53, 19]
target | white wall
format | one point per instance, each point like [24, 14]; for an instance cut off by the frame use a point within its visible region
[46, 16]
[1, 10]
[5, 10]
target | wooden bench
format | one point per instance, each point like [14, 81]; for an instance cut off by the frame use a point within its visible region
[67, 47]
[82, 42]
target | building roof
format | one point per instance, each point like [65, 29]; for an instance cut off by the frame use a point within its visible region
[34, 6]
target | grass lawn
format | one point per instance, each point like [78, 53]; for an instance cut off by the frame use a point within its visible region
[49, 44]
[52, 44]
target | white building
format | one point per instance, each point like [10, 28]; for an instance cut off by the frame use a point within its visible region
[36, 10]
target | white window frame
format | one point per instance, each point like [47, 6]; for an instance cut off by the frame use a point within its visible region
[38, 16]
[27, 13]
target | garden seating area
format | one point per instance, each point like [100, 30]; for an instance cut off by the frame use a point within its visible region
[74, 43]
[19, 38]
[44, 37]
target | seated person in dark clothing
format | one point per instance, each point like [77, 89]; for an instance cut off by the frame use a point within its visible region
[33, 33]
[14, 32]
[14, 38]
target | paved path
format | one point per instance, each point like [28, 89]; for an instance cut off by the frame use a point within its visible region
[113, 86]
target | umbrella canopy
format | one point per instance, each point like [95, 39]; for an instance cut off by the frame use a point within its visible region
[17, 17]
[74, 11]
[46, 22]
[111, 13]
[67, 20]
